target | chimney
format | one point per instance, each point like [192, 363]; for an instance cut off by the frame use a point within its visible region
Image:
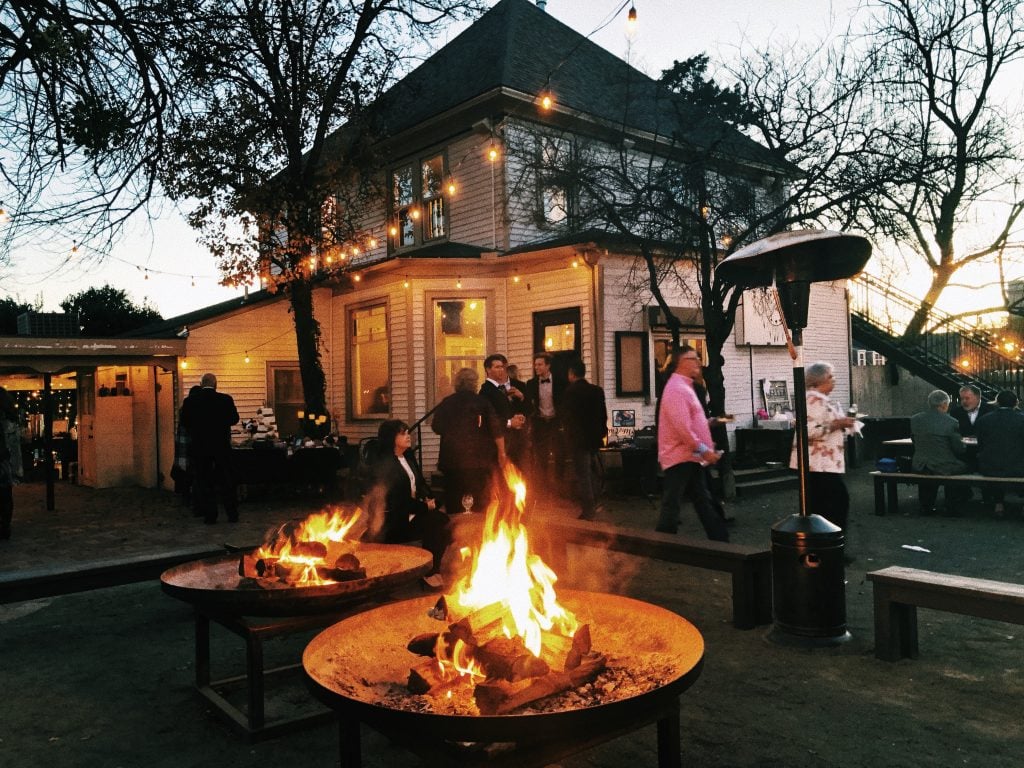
[542, 4]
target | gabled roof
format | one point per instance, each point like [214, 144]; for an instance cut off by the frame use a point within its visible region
[176, 326]
[518, 46]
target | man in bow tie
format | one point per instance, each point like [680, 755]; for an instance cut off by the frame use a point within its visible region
[543, 393]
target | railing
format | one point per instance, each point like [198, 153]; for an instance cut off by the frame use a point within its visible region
[951, 347]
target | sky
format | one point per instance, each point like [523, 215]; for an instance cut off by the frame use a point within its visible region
[159, 261]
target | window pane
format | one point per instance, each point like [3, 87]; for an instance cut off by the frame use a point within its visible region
[555, 207]
[559, 338]
[434, 225]
[371, 393]
[433, 169]
[406, 229]
[288, 400]
[402, 190]
[459, 339]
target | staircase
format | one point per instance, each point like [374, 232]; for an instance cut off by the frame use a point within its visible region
[949, 355]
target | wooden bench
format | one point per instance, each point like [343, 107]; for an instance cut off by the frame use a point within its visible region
[900, 591]
[886, 482]
[750, 567]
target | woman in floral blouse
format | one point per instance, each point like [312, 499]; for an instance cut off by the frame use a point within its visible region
[826, 448]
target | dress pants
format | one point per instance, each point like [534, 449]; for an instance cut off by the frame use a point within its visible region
[687, 480]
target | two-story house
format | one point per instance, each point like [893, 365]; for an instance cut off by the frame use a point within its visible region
[475, 251]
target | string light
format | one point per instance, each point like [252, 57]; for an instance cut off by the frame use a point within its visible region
[184, 363]
[458, 282]
[546, 101]
[193, 281]
[575, 263]
[451, 186]
[415, 214]
[406, 283]
[515, 277]
[247, 356]
[357, 277]
[492, 152]
[373, 242]
[631, 22]
[394, 231]
[145, 274]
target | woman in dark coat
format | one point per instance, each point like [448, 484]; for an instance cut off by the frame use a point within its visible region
[410, 511]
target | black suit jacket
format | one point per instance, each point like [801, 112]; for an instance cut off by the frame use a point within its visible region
[208, 415]
[966, 428]
[533, 393]
[503, 406]
[584, 415]
[399, 502]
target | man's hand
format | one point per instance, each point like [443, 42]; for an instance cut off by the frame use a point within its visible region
[712, 457]
[515, 394]
[518, 421]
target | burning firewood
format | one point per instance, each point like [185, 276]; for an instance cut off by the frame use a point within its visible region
[423, 645]
[497, 697]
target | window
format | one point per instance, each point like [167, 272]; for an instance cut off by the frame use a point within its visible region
[554, 167]
[284, 386]
[369, 353]
[460, 339]
[632, 376]
[418, 204]
[862, 357]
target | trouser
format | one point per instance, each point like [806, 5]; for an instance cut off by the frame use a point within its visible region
[213, 476]
[585, 477]
[686, 480]
[6, 510]
[545, 451]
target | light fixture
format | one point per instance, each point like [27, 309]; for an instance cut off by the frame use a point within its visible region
[458, 282]
[631, 17]
[193, 281]
[145, 274]
[575, 263]
[373, 242]
[546, 101]
[247, 356]
[394, 231]
[356, 277]
[415, 214]
[451, 186]
[492, 152]
[406, 283]
[184, 363]
[312, 263]
[515, 277]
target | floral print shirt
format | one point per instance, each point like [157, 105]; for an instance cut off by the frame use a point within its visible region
[826, 447]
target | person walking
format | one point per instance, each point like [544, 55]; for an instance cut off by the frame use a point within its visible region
[208, 416]
[826, 448]
[586, 426]
[472, 445]
[10, 460]
[685, 447]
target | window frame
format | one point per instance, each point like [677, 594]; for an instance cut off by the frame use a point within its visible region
[285, 365]
[350, 343]
[418, 200]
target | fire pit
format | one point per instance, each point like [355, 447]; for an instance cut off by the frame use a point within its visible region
[215, 584]
[360, 667]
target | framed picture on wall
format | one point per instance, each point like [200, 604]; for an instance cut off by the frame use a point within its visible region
[775, 393]
[623, 418]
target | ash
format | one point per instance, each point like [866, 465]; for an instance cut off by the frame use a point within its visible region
[622, 679]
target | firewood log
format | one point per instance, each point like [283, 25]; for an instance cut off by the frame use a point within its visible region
[309, 549]
[348, 562]
[340, 574]
[423, 645]
[424, 676]
[499, 697]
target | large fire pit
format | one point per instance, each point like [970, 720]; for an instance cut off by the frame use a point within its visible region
[360, 666]
[216, 586]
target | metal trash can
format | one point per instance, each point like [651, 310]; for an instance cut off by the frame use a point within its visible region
[808, 582]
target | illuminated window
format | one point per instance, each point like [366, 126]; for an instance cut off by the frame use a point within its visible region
[418, 206]
[460, 341]
[371, 371]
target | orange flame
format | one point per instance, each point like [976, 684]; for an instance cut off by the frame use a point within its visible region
[328, 527]
[505, 571]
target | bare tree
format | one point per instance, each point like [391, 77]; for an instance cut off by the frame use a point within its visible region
[278, 134]
[943, 148]
[83, 97]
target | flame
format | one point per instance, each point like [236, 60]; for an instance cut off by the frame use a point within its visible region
[461, 662]
[505, 571]
[328, 527]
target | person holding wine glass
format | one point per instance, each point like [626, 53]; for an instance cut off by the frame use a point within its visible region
[472, 444]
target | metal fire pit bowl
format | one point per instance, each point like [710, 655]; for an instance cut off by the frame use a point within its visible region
[358, 662]
[215, 585]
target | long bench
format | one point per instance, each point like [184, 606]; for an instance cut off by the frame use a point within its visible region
[750, 567]
[886, 483]
[899, 592]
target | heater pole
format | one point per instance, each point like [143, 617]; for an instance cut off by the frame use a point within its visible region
[800, 396]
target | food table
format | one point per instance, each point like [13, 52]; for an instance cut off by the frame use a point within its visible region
[314, 468]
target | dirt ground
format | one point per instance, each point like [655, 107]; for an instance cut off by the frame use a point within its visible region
[105, 678]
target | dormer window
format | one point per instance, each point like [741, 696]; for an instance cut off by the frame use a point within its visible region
[419, 212]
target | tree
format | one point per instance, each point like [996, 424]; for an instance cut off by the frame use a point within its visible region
[948, 157]
[83, 97]
[9, 311]
[108, 311]
[269, 86]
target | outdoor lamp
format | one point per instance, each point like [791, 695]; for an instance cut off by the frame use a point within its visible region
[808, 580]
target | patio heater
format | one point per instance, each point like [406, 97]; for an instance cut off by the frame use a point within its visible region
[808, 579]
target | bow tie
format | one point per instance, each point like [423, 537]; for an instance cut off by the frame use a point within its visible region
[545, 381]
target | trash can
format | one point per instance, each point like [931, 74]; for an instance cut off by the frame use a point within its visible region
[808, 582]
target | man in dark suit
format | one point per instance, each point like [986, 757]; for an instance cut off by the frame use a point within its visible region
[208, 415]
[586, 424]
[1001, 445]
[970, 408]
[543, 397]
[938, 450]
[509, 402]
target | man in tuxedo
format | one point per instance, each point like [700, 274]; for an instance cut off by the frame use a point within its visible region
[208, 415]
[509, 402]
[586, 425]
[543, 395]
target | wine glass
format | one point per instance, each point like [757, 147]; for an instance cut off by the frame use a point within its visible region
[467, 503]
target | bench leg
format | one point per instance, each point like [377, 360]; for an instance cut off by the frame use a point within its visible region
[879, 496]
[894, 501]
[895, 628]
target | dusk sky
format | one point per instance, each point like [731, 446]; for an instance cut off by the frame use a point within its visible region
[165, 251]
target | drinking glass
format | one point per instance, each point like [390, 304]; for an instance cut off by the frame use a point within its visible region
[467, 503]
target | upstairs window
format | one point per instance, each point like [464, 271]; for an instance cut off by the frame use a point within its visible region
[419, 210]
[554, 192]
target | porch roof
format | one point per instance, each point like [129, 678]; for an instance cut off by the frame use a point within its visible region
[37, 354]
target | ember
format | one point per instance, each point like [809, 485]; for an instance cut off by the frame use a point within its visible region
[508, 641]
[307, 552]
